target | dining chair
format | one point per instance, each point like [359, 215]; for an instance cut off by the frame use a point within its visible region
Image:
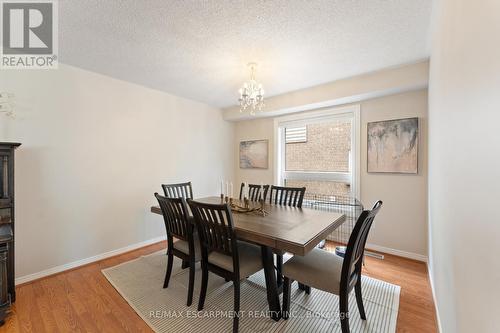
[179, 190]
[285, 196]
[254, 192]
[221, 252]
[187, 247]
[329, 272]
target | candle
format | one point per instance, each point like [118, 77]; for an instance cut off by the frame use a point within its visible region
[261, 191]
[221, 187]
[247, 191]
[227, 189]
[231, 189]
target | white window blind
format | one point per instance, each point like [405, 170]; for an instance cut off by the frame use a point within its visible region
[296, 134]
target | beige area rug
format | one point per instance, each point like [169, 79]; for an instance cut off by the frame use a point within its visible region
[140, 283]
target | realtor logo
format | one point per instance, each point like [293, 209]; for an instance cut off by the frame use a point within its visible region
[29, 34]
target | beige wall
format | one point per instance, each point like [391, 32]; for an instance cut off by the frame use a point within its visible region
[464, 165]
[402, 224]
[384, 82]
[261, 129]
[94, 151]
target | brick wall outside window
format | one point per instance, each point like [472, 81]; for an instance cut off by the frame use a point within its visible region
[327, 149]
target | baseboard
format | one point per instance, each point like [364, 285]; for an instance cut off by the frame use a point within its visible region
[74, 264]
[399, 253]
[431, 282]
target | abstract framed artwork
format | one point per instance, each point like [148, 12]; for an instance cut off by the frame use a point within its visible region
[393, 146]
[254, 154]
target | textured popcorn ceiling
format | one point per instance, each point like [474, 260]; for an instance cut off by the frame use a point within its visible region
[199, 49]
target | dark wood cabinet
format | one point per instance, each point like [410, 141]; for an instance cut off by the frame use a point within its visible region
[7, 227]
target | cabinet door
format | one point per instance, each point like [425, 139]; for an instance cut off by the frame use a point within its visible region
[4, 176]
[5, 200]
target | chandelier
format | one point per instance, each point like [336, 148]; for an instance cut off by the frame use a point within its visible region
[252, 93]
[6, 104]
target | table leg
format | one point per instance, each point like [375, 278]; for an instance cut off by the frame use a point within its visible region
[279, 272]
[271, 286]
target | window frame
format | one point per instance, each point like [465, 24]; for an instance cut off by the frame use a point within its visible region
[352, 113]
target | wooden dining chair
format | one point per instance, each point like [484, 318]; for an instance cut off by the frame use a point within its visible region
[187, 247]
[221, 252]
[327, 271]
[179, 190]
[254, 192]
[285, 196]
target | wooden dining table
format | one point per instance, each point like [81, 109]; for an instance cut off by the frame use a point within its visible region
[281, 229]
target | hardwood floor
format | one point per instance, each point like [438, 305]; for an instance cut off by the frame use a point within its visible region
[82, 300]
[416, 306]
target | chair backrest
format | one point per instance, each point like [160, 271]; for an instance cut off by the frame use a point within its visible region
[175, 213]
[353, 259]
[287, 196]
[180, 190]
[215, 227]
[254, 192]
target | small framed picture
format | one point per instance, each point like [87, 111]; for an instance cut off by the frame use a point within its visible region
[254, 154]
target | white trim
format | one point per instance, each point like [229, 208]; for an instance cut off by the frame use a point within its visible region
[321, 176]
[399, 253]
[356, 133]
[440, 328]
[315, 114]
[74, 264]
[351, 111]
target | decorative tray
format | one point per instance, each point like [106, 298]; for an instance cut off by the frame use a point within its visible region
[245, 206]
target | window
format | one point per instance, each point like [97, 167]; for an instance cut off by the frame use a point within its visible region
[296, 134]
[318, 151]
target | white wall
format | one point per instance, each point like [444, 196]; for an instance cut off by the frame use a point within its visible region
[94, 151]
[401, 226]
[464, 165]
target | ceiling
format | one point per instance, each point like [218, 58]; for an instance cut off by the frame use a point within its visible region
[199, 49]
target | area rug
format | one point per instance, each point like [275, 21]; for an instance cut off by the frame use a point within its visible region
[140, 283]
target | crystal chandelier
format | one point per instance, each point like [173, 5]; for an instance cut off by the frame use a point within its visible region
[252, 93]
[6, 104]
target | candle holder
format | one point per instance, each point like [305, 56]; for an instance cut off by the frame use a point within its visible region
[262, 210]
[222, 198]
[245, 206]
[226, 199]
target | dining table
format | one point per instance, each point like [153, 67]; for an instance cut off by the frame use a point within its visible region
[279, 229]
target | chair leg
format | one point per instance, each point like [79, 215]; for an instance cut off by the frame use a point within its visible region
[204, 282]
[170, 262]
[279, 270]
[344, 311]
[191, 283]
[236, 319]
[359, 300]
[185, 264]
[286, 297]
